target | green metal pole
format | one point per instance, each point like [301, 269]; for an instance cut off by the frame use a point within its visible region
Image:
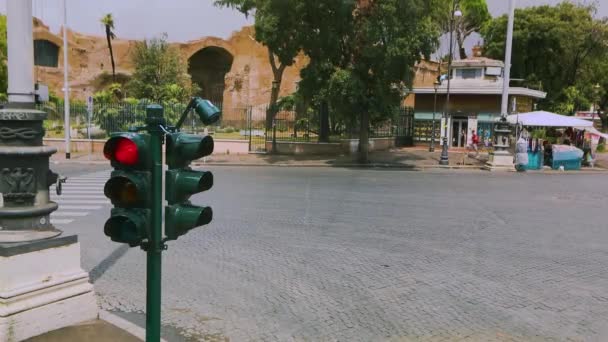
[154, 118]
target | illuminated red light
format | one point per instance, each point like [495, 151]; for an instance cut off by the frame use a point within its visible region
[124, 151]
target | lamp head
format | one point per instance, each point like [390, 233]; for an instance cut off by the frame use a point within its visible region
[458, 12]
[207, 112]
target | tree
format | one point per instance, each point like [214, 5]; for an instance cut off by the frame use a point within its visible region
[277, 26]
[386, 40]
[556, 45]
[3, 57]
[325, 42]
[475, 15]
[160, 72]
[108, 23]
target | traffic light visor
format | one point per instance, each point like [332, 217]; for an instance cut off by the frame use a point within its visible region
[121, 229]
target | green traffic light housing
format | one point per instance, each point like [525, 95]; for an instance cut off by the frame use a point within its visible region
[183, 148]
[183, 217]
[127, 226]
[181, 184]
[207, 112]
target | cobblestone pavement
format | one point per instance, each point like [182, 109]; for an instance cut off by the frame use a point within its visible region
[323, 254]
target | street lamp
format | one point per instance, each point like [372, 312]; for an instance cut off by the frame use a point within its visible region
[596, 92]
[444, 150]
[436, 85]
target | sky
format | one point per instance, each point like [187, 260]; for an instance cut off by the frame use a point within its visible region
[182, 20]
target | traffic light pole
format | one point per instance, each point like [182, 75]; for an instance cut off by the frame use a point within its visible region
[135, 188]
[155, 246]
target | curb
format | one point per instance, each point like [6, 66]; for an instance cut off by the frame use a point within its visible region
[354, 165]
[123, 324]
[596, 170]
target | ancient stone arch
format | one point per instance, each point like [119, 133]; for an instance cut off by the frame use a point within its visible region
[208, 68]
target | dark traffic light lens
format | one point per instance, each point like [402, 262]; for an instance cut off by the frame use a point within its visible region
[206, 181]
[205, 217]
[122, 150]
[121, 191]
[121, 229]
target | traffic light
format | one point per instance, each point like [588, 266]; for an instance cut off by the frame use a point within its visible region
[207, 112]
[181, 182]
[128, 188]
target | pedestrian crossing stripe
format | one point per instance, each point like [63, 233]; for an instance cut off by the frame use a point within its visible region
[61, 221]
[80, 195]
[101, 196]
[81, 207]
[69, 213]
[75, 201]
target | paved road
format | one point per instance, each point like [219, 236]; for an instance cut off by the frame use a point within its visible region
[309, 254]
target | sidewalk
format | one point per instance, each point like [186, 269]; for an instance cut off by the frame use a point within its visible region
[108, 327]
[404, 158]
[411, 158]
[92, 331]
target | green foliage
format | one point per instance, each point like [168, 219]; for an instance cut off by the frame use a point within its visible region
[3, 56]
[475, 15]
[539, 134]
[572, 99]
[108, 22]
[287, 102]
[279, 26]
[361, 58]
[387, 38]
[160, 72]
[558, 46]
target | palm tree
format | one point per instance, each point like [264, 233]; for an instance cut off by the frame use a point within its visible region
[108, 22]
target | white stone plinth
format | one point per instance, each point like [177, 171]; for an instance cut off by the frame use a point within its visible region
[500, 162]
[43, 290]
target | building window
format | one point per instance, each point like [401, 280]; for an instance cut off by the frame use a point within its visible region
[468, 73]
[46, 53]
[424, 128]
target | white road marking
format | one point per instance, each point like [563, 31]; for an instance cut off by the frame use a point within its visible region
[75, 201]
[61, 213]
[80, 207]
[61, 221]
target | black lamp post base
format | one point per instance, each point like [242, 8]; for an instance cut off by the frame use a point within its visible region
[444, 160]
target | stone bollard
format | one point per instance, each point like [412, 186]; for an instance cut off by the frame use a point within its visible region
[25, 177]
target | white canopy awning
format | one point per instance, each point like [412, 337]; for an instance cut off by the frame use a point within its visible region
[547, 119]
[594, 131]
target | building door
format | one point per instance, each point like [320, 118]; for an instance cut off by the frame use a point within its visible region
[459, 132]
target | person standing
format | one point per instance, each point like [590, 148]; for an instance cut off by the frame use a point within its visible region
[521, 152]
[475, 142]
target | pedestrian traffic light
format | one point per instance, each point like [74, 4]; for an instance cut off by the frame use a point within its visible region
[128, 188]
[183, 182]
[207, 112]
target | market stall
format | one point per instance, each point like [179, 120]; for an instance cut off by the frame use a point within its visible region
[557, 141]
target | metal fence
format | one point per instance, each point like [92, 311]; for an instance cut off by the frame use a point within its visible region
[102, 119]
[244, 123]
[288, 126]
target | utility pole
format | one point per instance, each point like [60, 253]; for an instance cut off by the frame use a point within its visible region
[501, 158]
[66, 82]
[507, 72]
